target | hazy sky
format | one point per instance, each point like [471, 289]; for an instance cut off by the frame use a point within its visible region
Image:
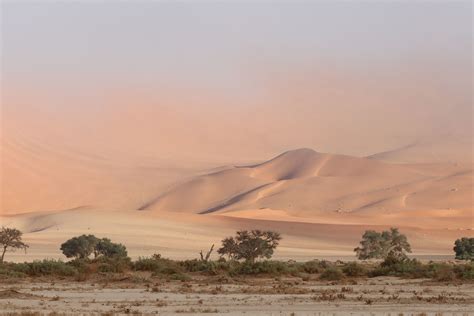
[242, 77]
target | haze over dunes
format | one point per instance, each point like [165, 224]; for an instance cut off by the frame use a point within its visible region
[183, 122]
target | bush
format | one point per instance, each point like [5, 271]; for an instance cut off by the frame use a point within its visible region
[312, 267]
[7, 271]
[157, 265]
[408, 268]
[332, 274]
[114, 265]
[354, 269]
[465, 271]
[43, 268]
[201, 266]
[266, 267]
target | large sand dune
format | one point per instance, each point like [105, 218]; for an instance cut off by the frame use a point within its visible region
[320, 202]
[333, 189]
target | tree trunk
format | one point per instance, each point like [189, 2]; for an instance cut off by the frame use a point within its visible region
[3, 254]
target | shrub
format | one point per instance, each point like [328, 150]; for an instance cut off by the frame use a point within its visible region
[7, 271]
[43, 268]
[201, 266]
[410, 268]
[115, 265]
[157, 265]
[51, 267]
[332, 274]
[265, 267]
[312, 267]
[465, 271]
[354, 269]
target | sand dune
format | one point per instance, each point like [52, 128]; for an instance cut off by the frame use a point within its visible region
[320, 202]
[42, 176]
[331, 189]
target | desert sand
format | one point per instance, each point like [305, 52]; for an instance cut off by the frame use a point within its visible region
[320, 202]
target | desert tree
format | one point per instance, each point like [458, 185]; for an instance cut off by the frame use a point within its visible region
[11, 239]
[229, 248]
[464, 248]
[371, 246]
[109, 249]
[398, 245]
[387, 244]
[250, 245]
[80, 247]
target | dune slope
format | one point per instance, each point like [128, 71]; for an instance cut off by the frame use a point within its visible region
[330, 188]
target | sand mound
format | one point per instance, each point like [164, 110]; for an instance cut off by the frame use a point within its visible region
[306, 183]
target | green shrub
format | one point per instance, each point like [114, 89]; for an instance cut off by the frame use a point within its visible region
[43, 268]
[7, 271]
[354, 269]
[146, 264]
[81, 265]
[465, 271]
[312, 267]
[265, 267]
[113, 265]
[408, 268]
[157, 265]
[201, 266]
[332, 274]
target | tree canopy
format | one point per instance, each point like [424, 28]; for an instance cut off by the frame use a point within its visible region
[250, 245]
[84, 246]
[80, 247]
[375, 245]
[109, 249]
[11, 239]
[464, 248]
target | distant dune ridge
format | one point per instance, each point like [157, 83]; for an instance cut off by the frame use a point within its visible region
[326, 187]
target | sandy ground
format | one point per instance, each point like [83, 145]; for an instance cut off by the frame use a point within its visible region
[291, 296]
